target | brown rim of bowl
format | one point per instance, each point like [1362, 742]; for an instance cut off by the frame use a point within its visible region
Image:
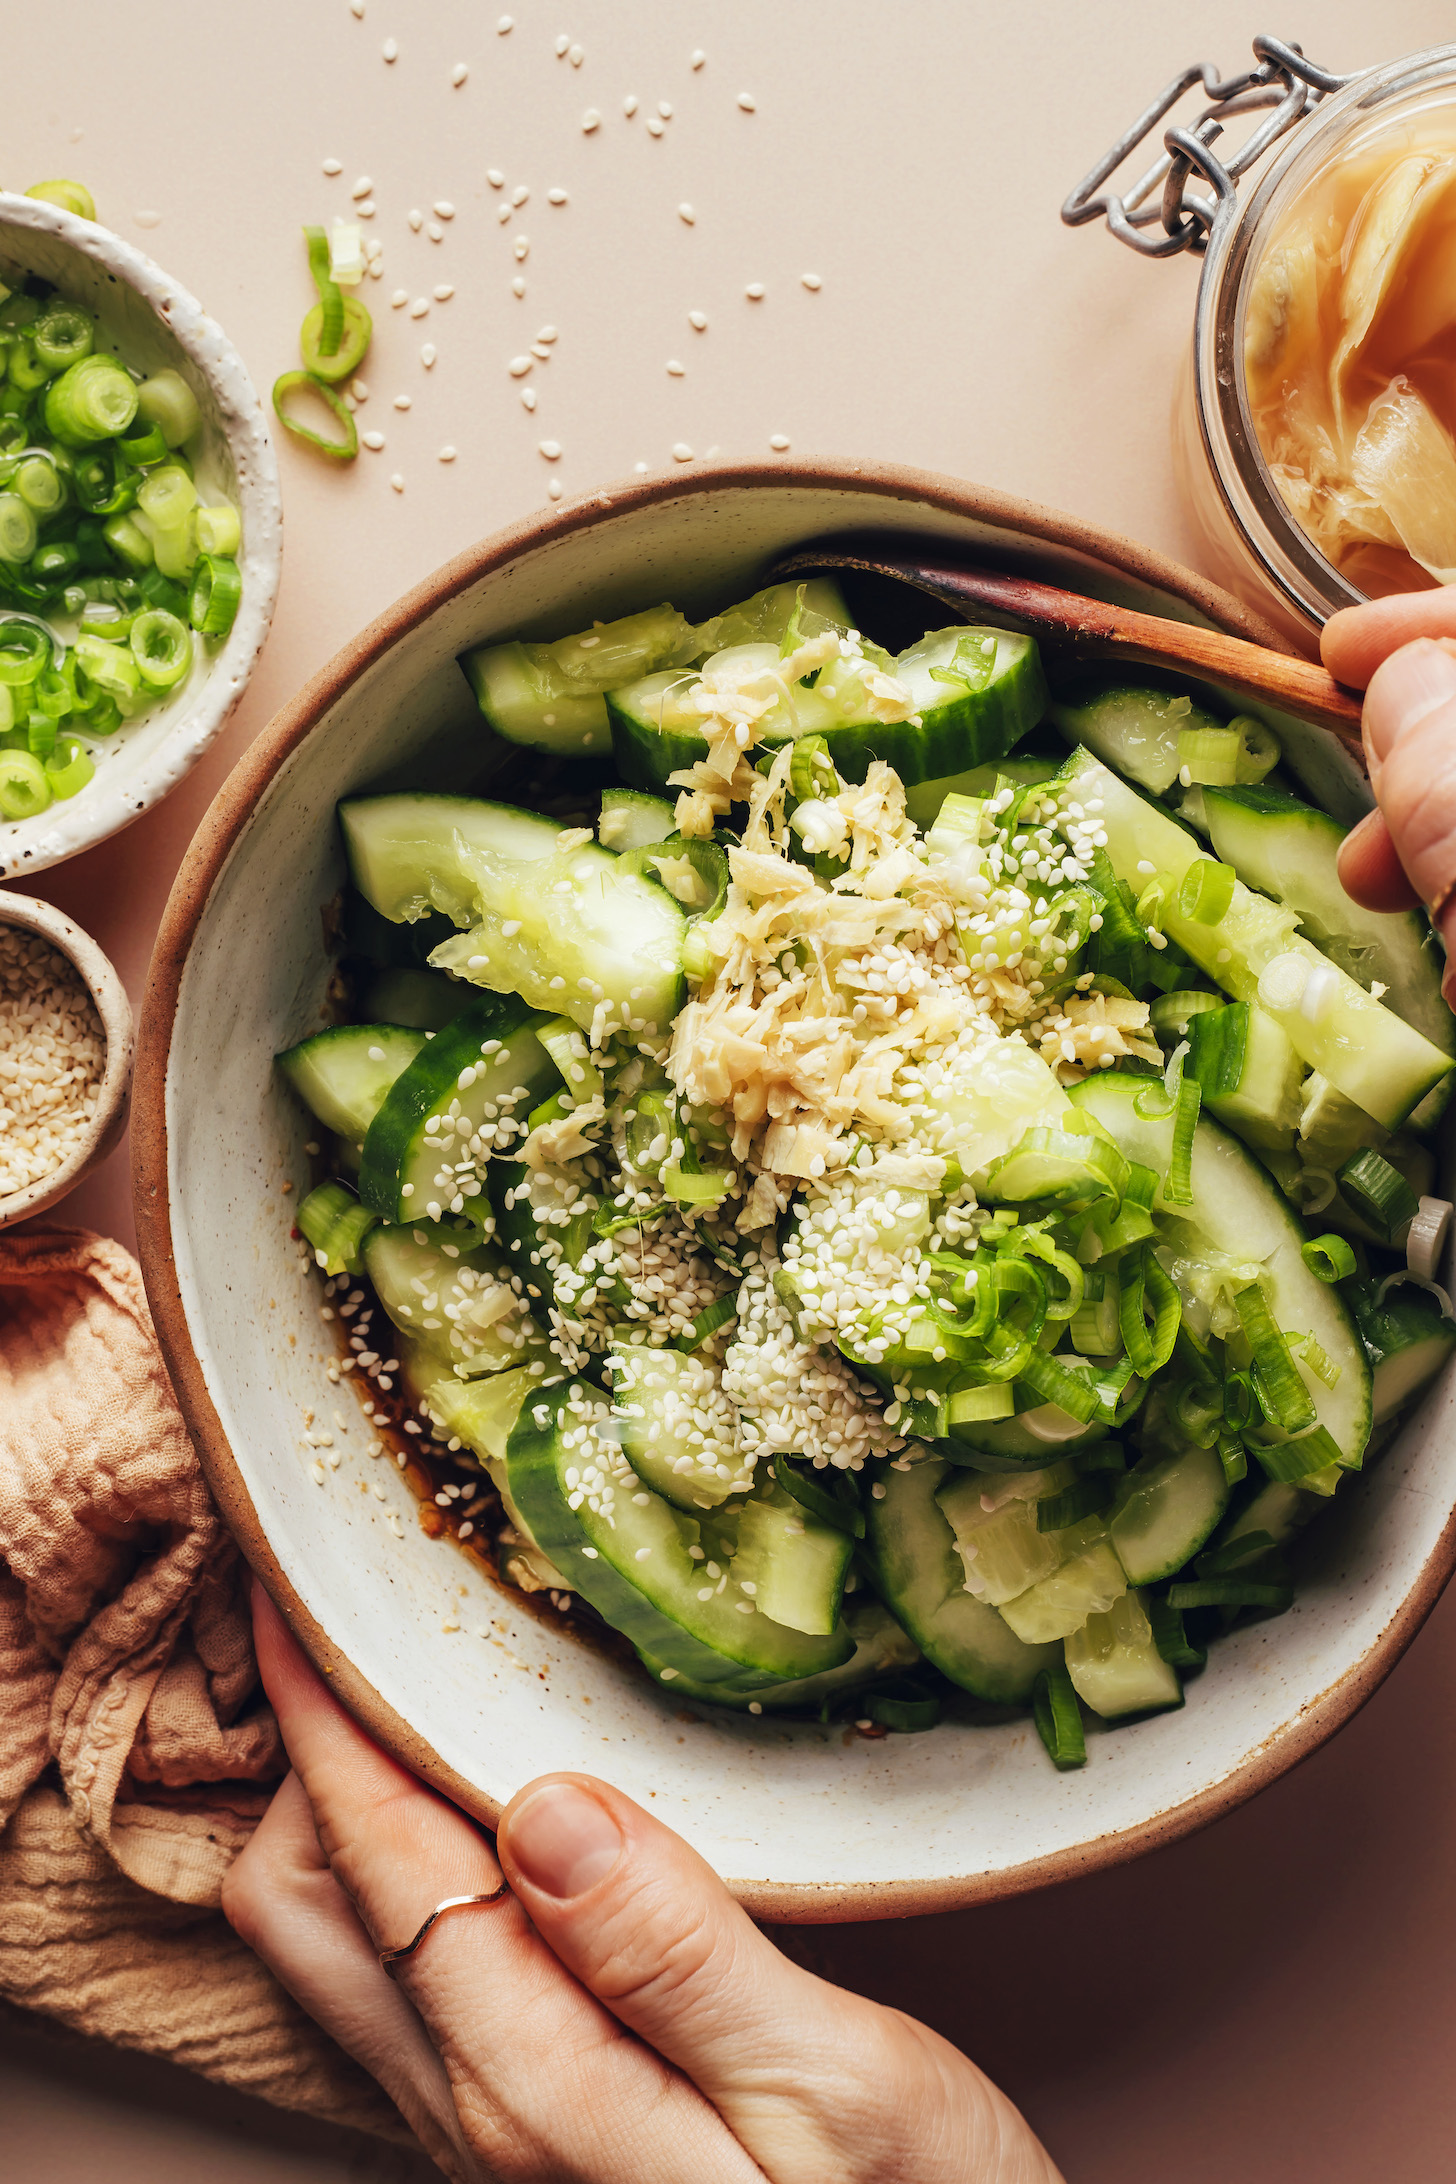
[100, 978]
[226, 818]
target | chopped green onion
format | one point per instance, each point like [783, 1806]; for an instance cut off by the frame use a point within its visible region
[1083, 1498]
[112, 667]
[903, 1705]
[335, 1223]
[19, 530]
[812, 772]
[1169, 1636]
[330, 306]
[827, 1494]
[1206, 891]
[1236, 1553]
[1059, 1718]
[94, 400]
[291, 383]
[1323, 1367]
[1298, 1455]
[1230, 1592]
[219, 529]
[217, 590]
[70, 196]
[1279, 1383]
[102, 482]
[143, 445]
[166, 400]
[1034, 1243]
[168, 496]
[1197, 1410]
[1329, 1258]
[162, 648]
[979, 1406]
[342, 362]
[54, 563]
[1145, 1281]
[26, 371]
[1209, 757]
[1172, 1012]
[1178, 1186]
[1232, 1455]
[126, 538]
[1095, 1329]
[1379, 1193]
[1259, 750]
[708, 1321]
[1051, 1382]
[69, 768]
[27, 646]
[24, 789]
[63, 334]
[41, 735]
[38, 481]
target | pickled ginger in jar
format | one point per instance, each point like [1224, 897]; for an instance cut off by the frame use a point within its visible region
[1349, 345]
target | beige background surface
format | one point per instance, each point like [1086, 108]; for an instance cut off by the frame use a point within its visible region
[1271, 2001]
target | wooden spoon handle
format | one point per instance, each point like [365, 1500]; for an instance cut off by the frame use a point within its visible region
[1100, 630]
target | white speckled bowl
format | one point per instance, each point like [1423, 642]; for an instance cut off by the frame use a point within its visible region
[155, 325]
[805, 1822]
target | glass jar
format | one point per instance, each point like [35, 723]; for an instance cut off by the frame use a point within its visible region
[1253, 542]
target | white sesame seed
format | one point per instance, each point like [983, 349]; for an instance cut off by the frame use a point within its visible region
[374, 441]
[356, 9]
[674, 369]
[419, 307]
[664, 109]
[495, 178]
[528, 398]
[562, 45]
[629, 105]
[590, 120]
[416, 219]
[551, 449]
[778, 441]
[519, 194]
[547, 334]
[556, 197]
[754, 291]
[811, 280]
[442, 291]
[435, 232]
[366, 210]
[333, 166]
[576, 56]
[539, 348]
[747, 101]
[389, 51]
[698, 58]
[428, 355]
[519, 366]
[400, 298]
[654, 126]
[397, 481]
[518, 286]
[522, 249]
[686, 214]
[698, 320]
[444, 210]
[359, 390]
[458, 74]
[402, 401]
[555, 488]
[682, 453]
[363, 187]
[447, 455]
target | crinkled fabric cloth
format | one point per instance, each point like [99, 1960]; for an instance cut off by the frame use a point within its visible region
[136, 1752]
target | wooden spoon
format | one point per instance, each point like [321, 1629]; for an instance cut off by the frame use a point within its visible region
[1063, 621]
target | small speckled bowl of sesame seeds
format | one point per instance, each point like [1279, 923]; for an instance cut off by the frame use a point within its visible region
[65, 1056]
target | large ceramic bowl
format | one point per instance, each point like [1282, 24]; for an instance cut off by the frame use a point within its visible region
[457, 1676]
[155, 326]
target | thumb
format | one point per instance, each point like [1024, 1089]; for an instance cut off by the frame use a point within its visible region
[814, 2081]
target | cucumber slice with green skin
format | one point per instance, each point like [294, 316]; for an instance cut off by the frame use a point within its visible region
[1281, 1508]
[1255, 954]
[921, 1578]
[809, 605]
[440, 1283]
[671, 1420]
[881, 1648]
[1037, 1435]
[794, 1565]
[631, 820]
[656, 728]
[1115, 1666]
[1281, 846]
[427, 1148]
[1085, 1583]
[516, 1230]
[1408, 1340]
[1172, 1013]
[419, 1000]
[344, 1075]
[407, 853]
[482, 1414]
[1238, 1212]
[1134, 729]
[550, 696]
[627, 1551]
[1166, 1508]
[1248, 1073]
[924, 800]
[336, 1225]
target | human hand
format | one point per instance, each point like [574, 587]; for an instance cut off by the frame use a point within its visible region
[1402, 653]
[618, 2017]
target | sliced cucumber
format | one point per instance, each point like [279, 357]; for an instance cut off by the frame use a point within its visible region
[370, 937]
[1086, 1582]
[420, 1000]
[1255, 954]
[1409, 1339]
[676, 1426]
[416, 853]
[1166, 1508]
[881, 1648]
[1036, 1435]
[630, 1554]
[1115, 1665]
[1134, 729]
[631, 820]
[440, 1283]
[482, 1414]
[1239, 1213]
[924, 800]
[462, 1101]
[920, 1575]
[1286, 848]
[551, 695]
[343, 1075]
[332, 1220]
[1001, 1548]
[791, 1566]
[1248, 1072]
[783, 614]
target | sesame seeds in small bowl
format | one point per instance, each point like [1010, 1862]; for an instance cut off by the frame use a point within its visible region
[65, 1056]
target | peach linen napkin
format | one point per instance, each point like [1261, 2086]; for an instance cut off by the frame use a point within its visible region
[136, 1753]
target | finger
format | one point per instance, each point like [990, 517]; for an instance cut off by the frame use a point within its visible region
[814, 2081]
[1410, 739]
[1370, 871]
[1357, 639]
[281, 1897]
[546, 2081]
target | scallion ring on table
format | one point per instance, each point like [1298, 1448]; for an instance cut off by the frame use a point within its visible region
[290, 384]
[70, 196]
[330, 306]
[342, 362]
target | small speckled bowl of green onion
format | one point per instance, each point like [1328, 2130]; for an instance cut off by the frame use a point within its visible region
[140, 532]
